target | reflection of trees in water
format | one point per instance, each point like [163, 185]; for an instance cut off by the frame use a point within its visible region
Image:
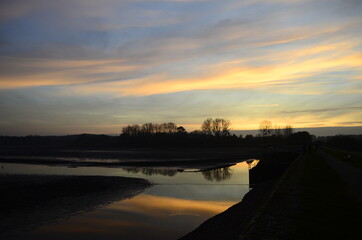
[218, 175]
[154, 171]
[252, 163]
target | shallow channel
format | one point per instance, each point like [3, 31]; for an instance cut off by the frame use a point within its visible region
[178, 202]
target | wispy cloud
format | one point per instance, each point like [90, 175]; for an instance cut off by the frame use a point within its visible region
[324, 110]
[302, 58]
[266, 105]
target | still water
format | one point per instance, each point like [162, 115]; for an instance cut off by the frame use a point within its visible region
[178, 202]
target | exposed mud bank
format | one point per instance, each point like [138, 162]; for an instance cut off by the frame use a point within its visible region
[29, 201]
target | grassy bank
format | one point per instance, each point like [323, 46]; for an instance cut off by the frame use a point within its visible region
[354, 159]
[329, 212]
[309, 202]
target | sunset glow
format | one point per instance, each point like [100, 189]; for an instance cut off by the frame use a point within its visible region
[95, 66]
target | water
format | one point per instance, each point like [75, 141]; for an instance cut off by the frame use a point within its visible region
[179, 202]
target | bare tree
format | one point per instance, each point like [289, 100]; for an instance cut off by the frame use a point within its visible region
[158, 128]
[148, 128]
[221, 127]
[225, 127]
[131, 130]
[217, 127]
[171, 127]
[265, 128]
[206, 126]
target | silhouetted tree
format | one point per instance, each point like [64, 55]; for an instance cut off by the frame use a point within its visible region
[148, 128]
[265, 128]
[170, 127]
[206, 126]
[131, 130]
[220, 127]
[216, 127]
[181, 130]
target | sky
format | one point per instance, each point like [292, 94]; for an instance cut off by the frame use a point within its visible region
[75, 66]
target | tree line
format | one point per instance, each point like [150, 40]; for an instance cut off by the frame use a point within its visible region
[218, 127]
[212, 132]
[152, 128]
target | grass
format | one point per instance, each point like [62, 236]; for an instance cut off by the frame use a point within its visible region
[329, 212]
[354, 159]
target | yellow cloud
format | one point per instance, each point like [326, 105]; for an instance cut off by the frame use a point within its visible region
[282, 71]
[32, 72]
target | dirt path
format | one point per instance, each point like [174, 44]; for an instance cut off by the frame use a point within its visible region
[350, 175]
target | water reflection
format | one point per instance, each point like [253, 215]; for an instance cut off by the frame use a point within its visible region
[155, 175]
[34, 200]
[218, 175]
[154, 171]
[252, 163]
[177, 203]
[142, 217]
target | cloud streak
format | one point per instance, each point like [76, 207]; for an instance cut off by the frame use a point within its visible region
[144, 51]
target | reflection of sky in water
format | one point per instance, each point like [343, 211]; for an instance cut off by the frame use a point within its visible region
[142, 217]
[239, 173]
[173, 207]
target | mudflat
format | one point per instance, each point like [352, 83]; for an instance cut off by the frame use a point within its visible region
[29, 201]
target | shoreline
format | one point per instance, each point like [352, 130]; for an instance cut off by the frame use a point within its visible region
[241, 218]
[202, 158]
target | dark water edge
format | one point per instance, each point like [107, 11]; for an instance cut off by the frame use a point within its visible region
[229, 224]
[29, 201]
[264, 178]
[127, 156]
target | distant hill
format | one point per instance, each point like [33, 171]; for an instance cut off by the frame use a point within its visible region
[320, 131]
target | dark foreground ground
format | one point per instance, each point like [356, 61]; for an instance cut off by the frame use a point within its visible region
[316, 198]
[28, 201]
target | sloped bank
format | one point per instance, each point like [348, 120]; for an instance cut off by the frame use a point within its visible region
[237, 222]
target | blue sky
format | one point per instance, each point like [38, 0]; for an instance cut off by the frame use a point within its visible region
[95, 66]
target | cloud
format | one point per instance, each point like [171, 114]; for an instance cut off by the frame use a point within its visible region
[241, 60]
[30, 72]
[124, 77]
[344, 108]
[266, 105]
[13, 9]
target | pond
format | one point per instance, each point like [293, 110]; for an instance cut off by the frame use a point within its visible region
[178, 202]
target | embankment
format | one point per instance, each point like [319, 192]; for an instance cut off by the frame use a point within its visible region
[240, 219]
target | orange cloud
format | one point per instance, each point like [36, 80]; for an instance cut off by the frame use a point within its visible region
[33, 72]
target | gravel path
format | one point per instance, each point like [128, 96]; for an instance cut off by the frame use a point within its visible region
[350, 175]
